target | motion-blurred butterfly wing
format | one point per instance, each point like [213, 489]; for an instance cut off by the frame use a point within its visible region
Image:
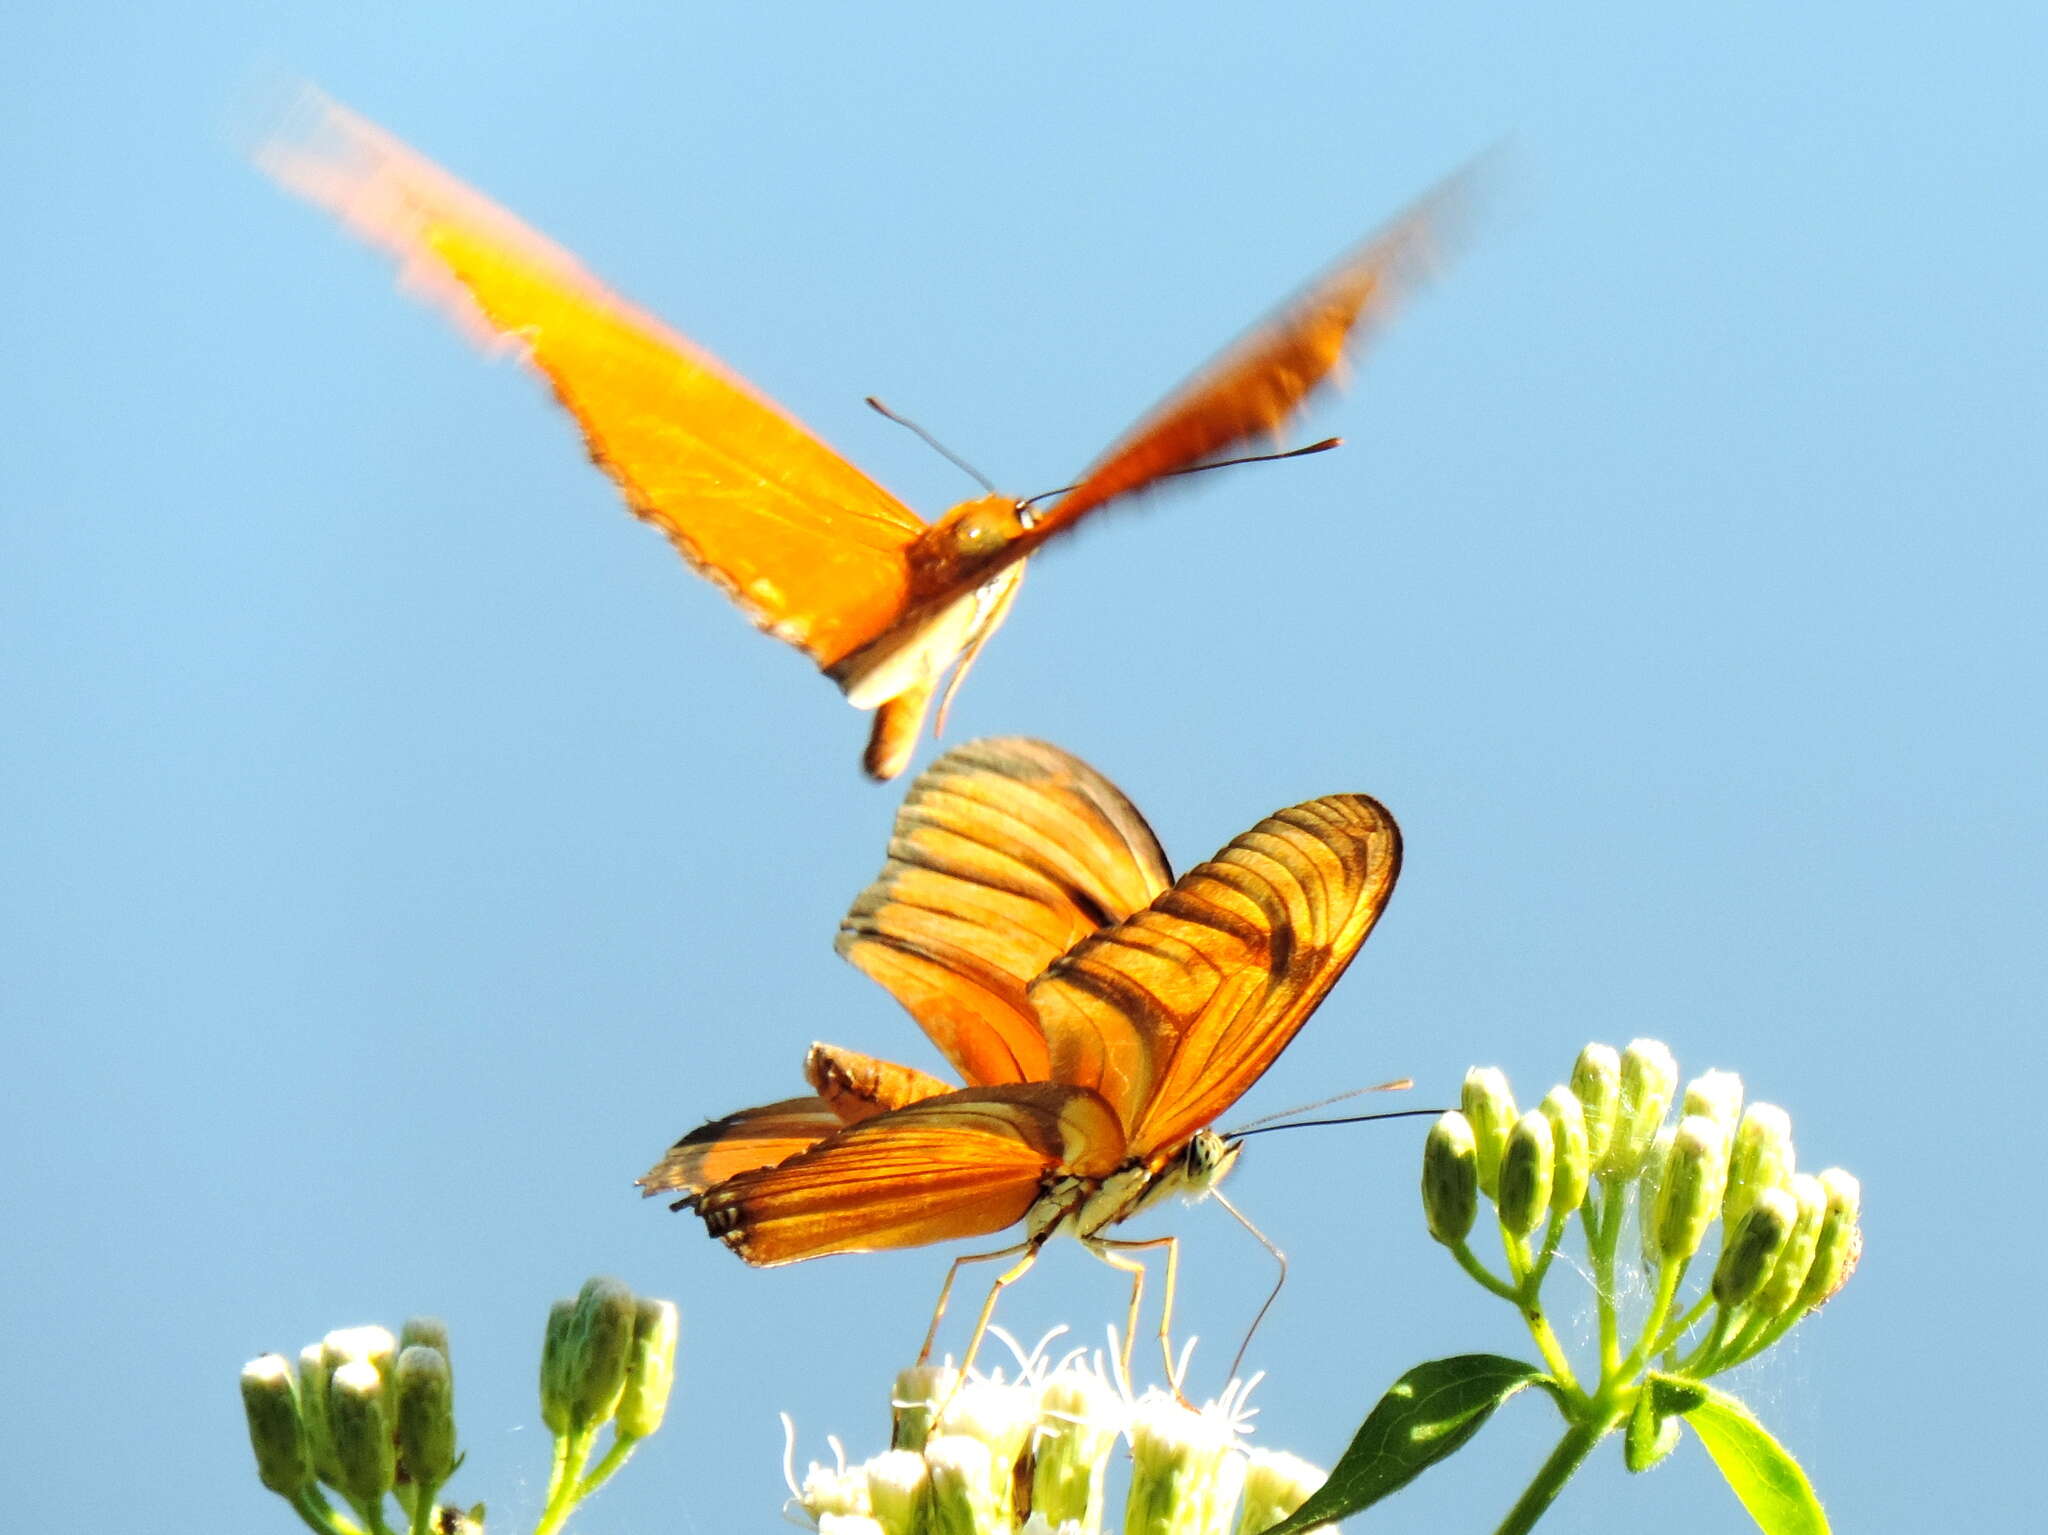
[810, 548]
[963, 1165]
[1252, 388]
[1173, 1013]
[1005, 854]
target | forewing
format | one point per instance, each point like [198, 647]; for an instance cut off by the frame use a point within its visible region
[1006, 853]
[1174, 1012]
[963, 1165]
[807, 545]
[740, 1143]
[1258, 382]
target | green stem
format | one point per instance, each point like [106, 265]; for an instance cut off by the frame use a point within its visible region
[621, 1451]
[1483, 1275]
[422, 1508]
[1685, 1324]
[320, 1515]
[1668, 1277]
[563, 1490]
[1699, 1363]
[1570, 1454]
[1601, 1237]
[1553, 1352]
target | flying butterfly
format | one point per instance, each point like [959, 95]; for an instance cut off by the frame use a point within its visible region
[815, 552]
[1101, 1013]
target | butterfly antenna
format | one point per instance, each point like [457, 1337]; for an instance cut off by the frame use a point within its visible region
[1221, 463]
[1279, 1257]
[1398, 1085]
[934, 444]
[1347, 1119]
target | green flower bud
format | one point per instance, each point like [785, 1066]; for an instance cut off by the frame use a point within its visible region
[558, 1368]
[1275, 1485]
[372, 1344]
[1717, 1095]
[650, 1369]
[277, 1434]
[962, 1497]
[1788, 1274]
[602, 1348]
[1762, 1158]
[1649, 1182]
[1450, 1179]
[1648, 1078]
[313, 1410]
[361, 1428]
[427, 1332]
[1596, 1083]
[1079, 1420]
[920, 1392]
[1489, 1106]
[1525, 1174]
[423, 1399]
[1753, 1247]
[897, 1482]
[1839, 1244]
[1179, 1480]
[1574, 1158]
[1689, 1188]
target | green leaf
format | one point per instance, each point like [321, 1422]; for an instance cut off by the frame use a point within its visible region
[1425, 1415]
[1760, 1471]
[1653, 1426]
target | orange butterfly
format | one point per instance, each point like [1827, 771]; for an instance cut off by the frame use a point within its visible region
[1102, 1014]
[814, 551]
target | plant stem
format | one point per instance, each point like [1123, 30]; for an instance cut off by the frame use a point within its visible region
[621, 1451]
[319, 1514]
[1484, 1276]
[1569, 1455]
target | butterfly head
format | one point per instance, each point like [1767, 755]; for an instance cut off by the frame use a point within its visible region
[951, 552]
[1200, 1166]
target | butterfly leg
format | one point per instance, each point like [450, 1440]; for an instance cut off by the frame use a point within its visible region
[1108, 1250]
[931, 1335]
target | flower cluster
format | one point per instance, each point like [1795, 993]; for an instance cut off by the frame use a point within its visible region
[975, 1455]
[368, 1416]
[1607, 1146]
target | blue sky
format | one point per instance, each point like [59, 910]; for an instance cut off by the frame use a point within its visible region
[403, 846]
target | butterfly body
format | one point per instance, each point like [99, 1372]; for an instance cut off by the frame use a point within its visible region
[812, 550]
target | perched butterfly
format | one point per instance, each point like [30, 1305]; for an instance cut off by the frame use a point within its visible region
[1102, 1014]
[814, 551]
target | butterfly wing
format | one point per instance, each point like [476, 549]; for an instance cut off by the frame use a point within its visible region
[741, 1142]
[806, 544]
[1005, 854]
[1258, 382]
[1173, 1013]
[962, 1165]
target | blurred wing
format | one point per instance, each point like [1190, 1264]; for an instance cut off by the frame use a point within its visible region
[1260, 380]
[804, 542]
[963, 1165]
[1006, 853]
[740, 1143]
[1173, 1013]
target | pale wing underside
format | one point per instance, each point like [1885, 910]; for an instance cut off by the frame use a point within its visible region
[964, 1165]
[809, 546]
[1005, 854]
[1172, 1014]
